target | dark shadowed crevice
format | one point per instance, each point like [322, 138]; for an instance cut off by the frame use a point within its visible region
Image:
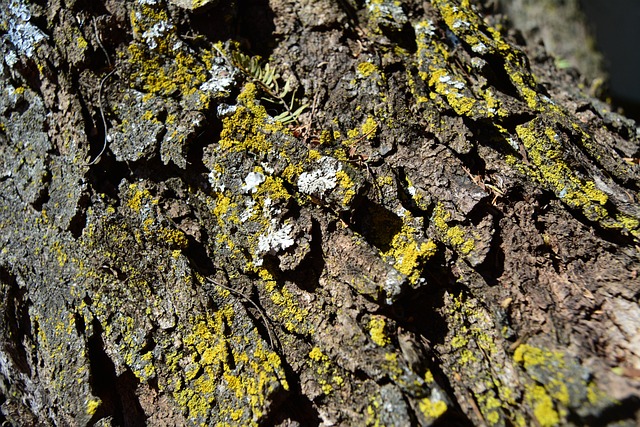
[15, 320]
[255, 26]
[307, 275]
[375, 223]
[107, 174]
[79, 219]
[292, 406]
[418, 312]
[43, 195]
[117, 393]
[627, 409]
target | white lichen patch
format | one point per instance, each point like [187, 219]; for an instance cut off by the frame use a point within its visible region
[275, 239]
[393, 285]
[215, 179]
[459, 23]
[158, 31]
[452, 82]
[248, 212]
[252, 181]
[320, 180]
[225, 110]
[221, 81]
[23, 35]
[425, 28]
[480, 48]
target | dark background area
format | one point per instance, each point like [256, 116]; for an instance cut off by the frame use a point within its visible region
[616, 29]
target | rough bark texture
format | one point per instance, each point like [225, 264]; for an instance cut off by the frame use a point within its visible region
[446, 236]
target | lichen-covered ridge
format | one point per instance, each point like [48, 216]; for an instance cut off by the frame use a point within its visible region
[445, 236]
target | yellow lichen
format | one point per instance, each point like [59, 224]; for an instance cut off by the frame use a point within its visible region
[377, 331]
[294, 317]
[407, 254]
[137, 198]
[347, 187]
[432, 409]
[365, 69]
[92, 406]
[543, 408]
[455, 235]
[216, 358]
[545, 150]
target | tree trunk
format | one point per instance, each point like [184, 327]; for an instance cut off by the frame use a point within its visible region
[400, 216]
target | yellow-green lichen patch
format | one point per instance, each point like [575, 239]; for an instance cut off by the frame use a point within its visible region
[483, 39]
[220, 376]
[546, 152]
[93, 405]
[248, 127]
[407, 253]
[366, 131]
[448, 84]
[161, 63]
[346, 187]
[140, 200]
[559, 384]
[63, 360]
[138, 197]
[454, 236]
[377, 331]
[327, 373]
[365, 69]
[480, 359]
[542, 404]
[432, 409]
[291, 315]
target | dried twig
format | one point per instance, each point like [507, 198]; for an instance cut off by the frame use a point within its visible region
[102, 82]
[104, 120]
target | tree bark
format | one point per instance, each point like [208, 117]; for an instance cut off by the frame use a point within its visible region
[401, 215]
